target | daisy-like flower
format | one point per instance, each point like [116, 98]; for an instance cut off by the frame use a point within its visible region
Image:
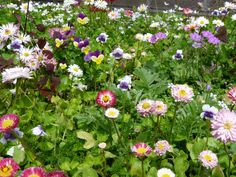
[114, 15]
[161, 147]
[144, 107]
[165, 172]
[112, 113]
[38, 131]
[224, 126]
[75, 70]
[139, 37]
[232, 94]
[106, 98]
[102, 38]
[159, 108]
[8, 30]
[88, 2]
[178, 55]
[82, 19]
[218, 23]
[141, 149]
[125, 83]
[8, 167]
[33, 64]
[9, 75]
[182, 93]
[100, 4]
[33, 172]
[209, 112]
[102, 145]
[117, 53]
[24, 38]
[8, 122]
[24, 7]
[208, 159]
[26, 54]
[202, 21]
[142, 8]
[56, 174]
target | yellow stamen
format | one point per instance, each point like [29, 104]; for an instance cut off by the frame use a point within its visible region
[141, 150]
[7, 123]
[105, 98]
[228, 125]
[146, 105]
[208, 157]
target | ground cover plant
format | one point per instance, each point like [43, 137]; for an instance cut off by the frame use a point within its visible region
[89, 90]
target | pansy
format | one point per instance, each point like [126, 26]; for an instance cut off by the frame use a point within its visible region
[96, 57]
[141, 149]
[33, 172]
[83, 43]
[38, 131]
[209, 112]
[178, 55]
[76, 41]
[117, 53]
[102, 38]
[59, 42]
[15, 45]
[125, 83]
[10, 136]
[106, 98]
[82, 19]
[8, 167]
[8, 122]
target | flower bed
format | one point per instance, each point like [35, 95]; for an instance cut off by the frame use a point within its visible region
[87, 90]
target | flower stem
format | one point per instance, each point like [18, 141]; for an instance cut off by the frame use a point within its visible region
[142, 160]
[26, 16]
[104, 164]
[173, 121]
[118, 134]
[229, 158]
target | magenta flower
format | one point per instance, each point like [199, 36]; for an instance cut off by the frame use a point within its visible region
[8, 122]
[232, 94]
[141, 149]
[8, 167]
[106, 99]
[33, 172]
[56, 174]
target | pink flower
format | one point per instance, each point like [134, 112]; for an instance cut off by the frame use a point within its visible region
[159, 108]
[8, 122]
[128, 13]
[182, 93]
[56, 174]
[144, 107]
[232, 94]
[33, 172]
[208, 159]
[141, 149]
[161, 147]
[187, 11]
[106, 99]
[224, 126]
[8, 167]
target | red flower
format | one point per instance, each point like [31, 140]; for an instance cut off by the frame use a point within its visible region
[106, 99]
[8, 167]
[8, 122]
[56, 174]
[141, 149]
[111, 1]
[33, 171]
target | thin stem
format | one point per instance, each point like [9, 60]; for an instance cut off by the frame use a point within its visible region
[232, 108]
[105, 163]
[142, 160]
[173, 121]
[118, 134]
[26, 16]
[229, 158]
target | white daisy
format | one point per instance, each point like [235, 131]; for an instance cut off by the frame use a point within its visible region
[165, 172]
[112, 113]
[9, 75]
[75, 70]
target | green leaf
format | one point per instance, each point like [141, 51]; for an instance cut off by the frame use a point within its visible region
[109, 155]
[65, 166]
[89, 172]
[90, 142]
[181, 165]
[217, 172]
[152, 172]
[18, 155]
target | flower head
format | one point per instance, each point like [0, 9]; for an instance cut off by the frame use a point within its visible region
[33, 172]
[182, 93]
[56, 174]
[142, 8]
[196, 37]
[102, 145]
[9, 75]
[82, 19]
[208, 159]
[106, 98]
[224, 126]
[112, 113]
[96, 57]
[9, 136]
[117, 53]
[202, 21]
[8, 167]
[38, 131]
[75, 70]
[165, 172]
[7, 31]
[141, 149]
[8, 122]
[144, 107]
[209, 112]
[125, 83]
[159, 108]
[178, 55]
[232, 94]
[161, 147]
[102, 38]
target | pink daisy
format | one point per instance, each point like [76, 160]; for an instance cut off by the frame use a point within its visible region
[8, 122]
[144, 107]
[232, 94]
[208, 159]
[159, 108]
[8, 167]
[106, 98]
[161, 147]
[182, 93]
[141, 149]
[33, 172]
[56, 174]
[224, 126]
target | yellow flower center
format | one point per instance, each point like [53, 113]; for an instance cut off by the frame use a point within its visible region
[5, 171]
[202, 22]
[228, 125]
[208, 157]
[34, 175]
[141, 150]
[159, 107]
[105, 98]
[165, 175]
[111, 114]
[160, 146]
[146, 105]
[7, 123]
[76, 69]
[182, 93]
[7, 32]
[26, 54]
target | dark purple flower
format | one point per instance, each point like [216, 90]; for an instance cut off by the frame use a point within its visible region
[15, 45]
[102, 38]
[216, 12]
[196, 37]
[89, 56]
[83, 43]
[117, 53]
[224, 12]
[8, 136]
[82, 15]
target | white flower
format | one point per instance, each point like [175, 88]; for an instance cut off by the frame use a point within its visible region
[229, 5]
[147, 36]
[75, 70]
[69, 2]
[100, 4]
[8, 30]
[38, 131]
[26, 54]
[102, 145]
[24, 38]
[142, 8]
[233, 17]
[139, 37]
[155, 25]
[202, 21]
[24, 7]
[165, 172]
[81, 86]
[113, 15]
[127, 56]
[208, 111]
[15, 73]
[88, 2]
[218, 23]
[112, 113]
